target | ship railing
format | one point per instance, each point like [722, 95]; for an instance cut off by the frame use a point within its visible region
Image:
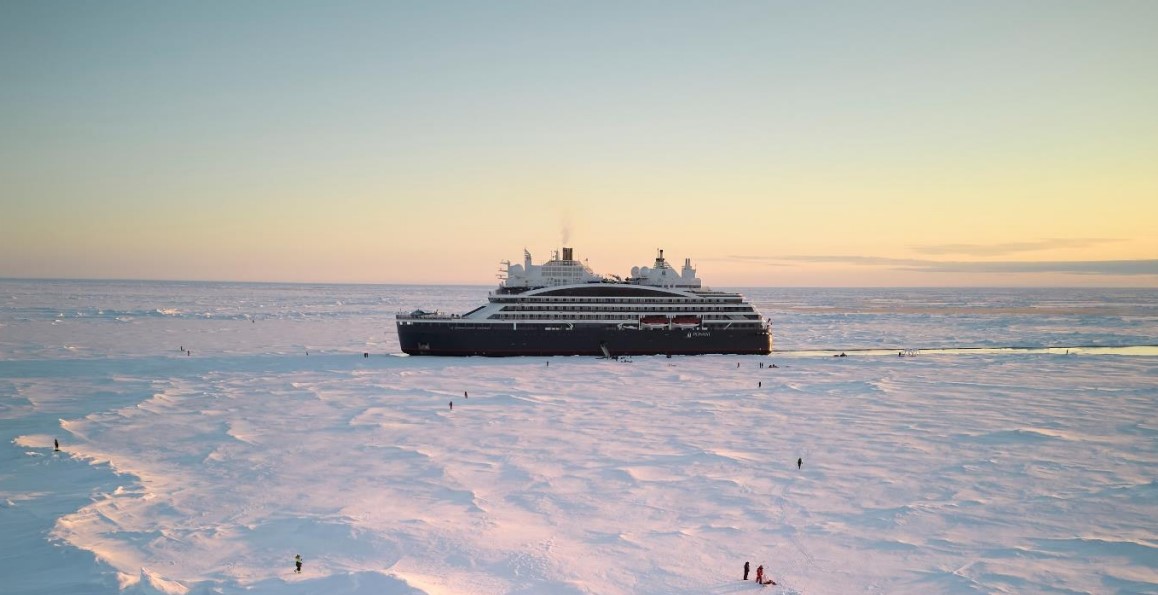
[423, 315]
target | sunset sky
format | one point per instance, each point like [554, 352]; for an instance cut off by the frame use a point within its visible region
[923, 143]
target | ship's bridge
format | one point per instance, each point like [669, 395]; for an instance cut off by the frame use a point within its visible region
[661, 274]
[563, 270]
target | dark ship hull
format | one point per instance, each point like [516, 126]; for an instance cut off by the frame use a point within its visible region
[461, 338]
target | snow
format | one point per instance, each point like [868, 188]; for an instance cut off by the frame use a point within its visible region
[957, 472]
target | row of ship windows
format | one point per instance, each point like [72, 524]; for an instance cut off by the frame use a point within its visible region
[619, 318]
[633, 307]
[605, 300]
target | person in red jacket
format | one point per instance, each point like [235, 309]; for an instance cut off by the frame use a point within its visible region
[760, 580]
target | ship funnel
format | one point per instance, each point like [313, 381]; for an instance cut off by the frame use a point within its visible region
[567, 254]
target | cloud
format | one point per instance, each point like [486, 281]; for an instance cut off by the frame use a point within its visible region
[1077, 267]
[782, 261]
[758, 260]
[1011, 247]
[864, 260]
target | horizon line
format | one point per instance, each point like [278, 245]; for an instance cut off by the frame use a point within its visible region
[449, 284]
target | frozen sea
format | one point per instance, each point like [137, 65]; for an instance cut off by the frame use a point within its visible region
[211, 431]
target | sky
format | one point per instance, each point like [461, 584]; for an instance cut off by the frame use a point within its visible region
[773, 143]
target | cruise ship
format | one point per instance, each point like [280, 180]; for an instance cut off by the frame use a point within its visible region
[561, 307]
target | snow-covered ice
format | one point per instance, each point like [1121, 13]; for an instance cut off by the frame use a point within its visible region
[981, 472]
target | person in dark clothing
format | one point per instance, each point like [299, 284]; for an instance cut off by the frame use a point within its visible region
[56, 444]
[452, 405]
[746, 571]
[799, 463]
[298, 563]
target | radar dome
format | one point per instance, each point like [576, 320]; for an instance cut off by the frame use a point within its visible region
[515, 269]
[634, 271]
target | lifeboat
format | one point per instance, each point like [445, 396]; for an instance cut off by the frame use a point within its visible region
[653, 321]
[686, 321]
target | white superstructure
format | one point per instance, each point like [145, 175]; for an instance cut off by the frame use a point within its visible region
[661, 274]
[568, 271]
[554, 272]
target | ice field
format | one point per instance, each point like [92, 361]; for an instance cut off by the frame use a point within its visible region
[207, 470]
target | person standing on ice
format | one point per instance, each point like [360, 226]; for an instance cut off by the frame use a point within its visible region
[799, 463]
[56, 445]
[746, 570]
[760, 574]
[298, 563]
